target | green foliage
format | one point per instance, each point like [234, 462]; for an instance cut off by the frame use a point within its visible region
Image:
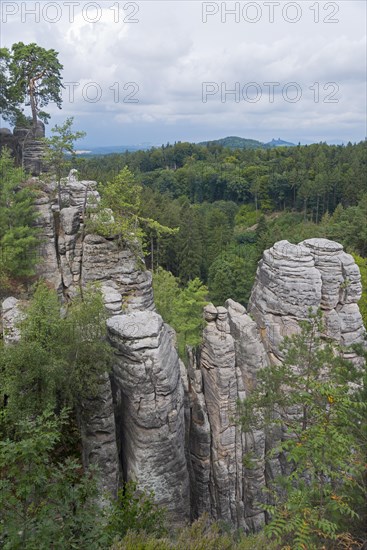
[246, 216]
[10, 98]
[60, 144]
[18, 239]
[156, 233]
[32, 75]
[182, 308]
[134, 510]
[234, 142]
[217, 235]
[166, 293]
[125, 213]
[58, 360]
[200, 535]
[190, 250]
[48, 502]
[117, 215]
[310, 397]
[85, 347]
[313, 179]
[32, 368]
[349, 226]
[362, 304]
[45, 503]
[188, 314]
[214, 195]
[230, 276]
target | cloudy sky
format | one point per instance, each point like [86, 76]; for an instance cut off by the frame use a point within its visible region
[156, 71]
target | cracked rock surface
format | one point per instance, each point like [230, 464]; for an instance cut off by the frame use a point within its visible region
[290, 279]
[150, 405]
[220, 374]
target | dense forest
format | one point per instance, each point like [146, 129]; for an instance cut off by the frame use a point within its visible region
[229, 205]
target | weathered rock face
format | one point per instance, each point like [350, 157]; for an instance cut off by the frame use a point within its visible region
[117, 270]
[26, 146]
[290, 279]
[70, 258]
[98, 430]
[47, 262]
[223, 372]
[11, 315]
[150, 406]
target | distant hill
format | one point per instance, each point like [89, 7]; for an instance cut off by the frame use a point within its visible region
[235, 142]
[232, 142]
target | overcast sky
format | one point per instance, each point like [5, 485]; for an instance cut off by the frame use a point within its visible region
[158, 71]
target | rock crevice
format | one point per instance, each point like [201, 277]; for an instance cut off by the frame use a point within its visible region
[170, 428]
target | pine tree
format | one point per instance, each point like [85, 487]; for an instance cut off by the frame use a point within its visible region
[18, 236]
[182, 308]
[189, 242]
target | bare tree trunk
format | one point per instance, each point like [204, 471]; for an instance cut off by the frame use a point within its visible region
[33, 105]
[317, 208]
[152, 253]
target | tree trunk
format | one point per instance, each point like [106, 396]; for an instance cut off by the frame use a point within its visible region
[33, 104]
[152, 253]
[317, 208]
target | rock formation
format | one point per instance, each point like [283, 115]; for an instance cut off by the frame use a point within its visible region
[290, 279]
[150, 406]
[172, 428]
[69, 259]
[11, 315]
[26, 146]
[223, 371]
[98, 433]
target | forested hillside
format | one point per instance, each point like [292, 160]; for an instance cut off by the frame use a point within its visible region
[229, 205]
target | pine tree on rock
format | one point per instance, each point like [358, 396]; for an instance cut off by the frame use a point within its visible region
[190, 246]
